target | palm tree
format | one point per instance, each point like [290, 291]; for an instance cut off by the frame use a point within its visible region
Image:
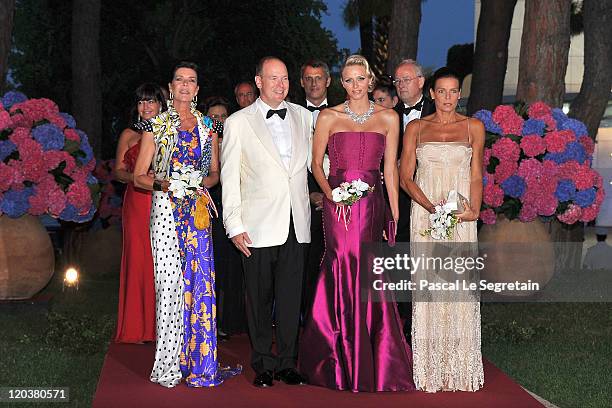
[369, 16]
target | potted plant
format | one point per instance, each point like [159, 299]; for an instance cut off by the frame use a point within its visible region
[537, 168]
[45, 168]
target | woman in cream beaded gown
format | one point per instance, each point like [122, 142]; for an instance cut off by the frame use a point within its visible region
[446, 149]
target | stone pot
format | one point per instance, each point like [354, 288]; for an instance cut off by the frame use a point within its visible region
[27, 261]
[518, 251]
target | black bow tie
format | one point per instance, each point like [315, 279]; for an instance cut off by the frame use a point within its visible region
[316, 108]
[416, 107]
[280, 112]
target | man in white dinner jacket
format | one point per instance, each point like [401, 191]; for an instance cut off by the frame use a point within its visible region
[266, 212]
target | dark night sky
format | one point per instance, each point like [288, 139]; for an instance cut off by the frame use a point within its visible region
[443, 24]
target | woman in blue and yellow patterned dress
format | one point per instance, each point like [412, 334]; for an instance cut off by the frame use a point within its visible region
[181, 237]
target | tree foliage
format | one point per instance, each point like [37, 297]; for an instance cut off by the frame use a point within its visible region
[460, 58]
[141, 41]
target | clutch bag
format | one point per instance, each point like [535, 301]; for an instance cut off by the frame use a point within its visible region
[390, 227]
[454, 202]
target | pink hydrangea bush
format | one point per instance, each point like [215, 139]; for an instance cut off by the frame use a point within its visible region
[46, 163]
[537, 163]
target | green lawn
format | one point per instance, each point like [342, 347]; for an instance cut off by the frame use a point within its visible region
[60, 344]
[562, 352]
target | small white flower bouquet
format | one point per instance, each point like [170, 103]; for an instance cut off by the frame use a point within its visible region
[186, 182]
[348, 193]
[442, 223]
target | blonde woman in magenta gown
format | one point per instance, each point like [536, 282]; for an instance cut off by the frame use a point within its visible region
[446, 149]
[353, 337]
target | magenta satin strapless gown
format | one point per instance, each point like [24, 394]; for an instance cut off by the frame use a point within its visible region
[352, 343]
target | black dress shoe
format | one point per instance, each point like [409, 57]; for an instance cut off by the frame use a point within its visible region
[291, 377]
[263, 379]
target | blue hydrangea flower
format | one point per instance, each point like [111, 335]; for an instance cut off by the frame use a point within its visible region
[86, 217]
[514, 186]
[69, 213]
[566, 190]
[70, 121]
[574, 125]
[6, 148]
[15, 203]
[91, 179]
[574, 151]
[556, 157]
[115, 201]
[559, 116]
[85, 147]
[49, 136]
[534, 127]
[485, 180]
[486, 117]
[585, 198]
[11, 98]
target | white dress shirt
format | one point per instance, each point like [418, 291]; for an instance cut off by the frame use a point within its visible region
[280, 130]
[315, 115]
[414, 114]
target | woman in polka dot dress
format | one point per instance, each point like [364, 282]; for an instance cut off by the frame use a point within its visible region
[182, 252]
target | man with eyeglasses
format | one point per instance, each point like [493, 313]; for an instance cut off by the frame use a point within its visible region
[245, 93]
[315, 79]
[409, 81]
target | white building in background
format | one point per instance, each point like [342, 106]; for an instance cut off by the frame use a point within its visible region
[602, 160]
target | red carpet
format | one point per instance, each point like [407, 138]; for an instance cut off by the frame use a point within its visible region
[124, 382]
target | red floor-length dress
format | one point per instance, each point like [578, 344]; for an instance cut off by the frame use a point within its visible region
[136, 316]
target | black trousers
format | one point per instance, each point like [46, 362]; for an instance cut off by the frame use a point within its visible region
[403, 224]
[403, 235]
[273, 276]
[313, 261]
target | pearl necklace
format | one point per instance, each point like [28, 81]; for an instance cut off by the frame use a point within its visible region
[361, 119]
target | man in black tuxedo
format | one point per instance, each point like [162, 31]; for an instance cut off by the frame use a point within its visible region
[315, 79]
[409, 82]
[266, 214]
